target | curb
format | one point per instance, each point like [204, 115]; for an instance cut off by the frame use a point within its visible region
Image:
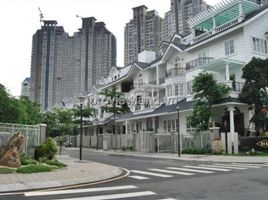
[226, 159]
[49, 186]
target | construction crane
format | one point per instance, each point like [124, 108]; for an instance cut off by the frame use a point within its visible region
[41, 16]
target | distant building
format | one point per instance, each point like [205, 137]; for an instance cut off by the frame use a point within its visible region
[142, 32]
[64, 66]
[175, 20]
[260, 2]
[25, 88]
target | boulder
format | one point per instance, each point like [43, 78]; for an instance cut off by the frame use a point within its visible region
[217, 147]
[9, 154]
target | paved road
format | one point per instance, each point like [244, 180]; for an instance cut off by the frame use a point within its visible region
[153, 179]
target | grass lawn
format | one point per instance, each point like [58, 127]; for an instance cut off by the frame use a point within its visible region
[37, 168]
[6, 170]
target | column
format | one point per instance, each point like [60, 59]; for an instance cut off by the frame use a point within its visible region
[232, 136]
[240, 9]
[157, 75]
[153, 124]
[126, 123]
[214, 24]
[227, 72]
[231, 114]
[241, 14]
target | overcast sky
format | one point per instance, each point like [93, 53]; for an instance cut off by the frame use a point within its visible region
[19, 19]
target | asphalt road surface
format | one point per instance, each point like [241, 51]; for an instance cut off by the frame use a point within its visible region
[159, 179]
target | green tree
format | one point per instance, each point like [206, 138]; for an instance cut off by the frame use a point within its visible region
[31, 111]
[59, 122]
[207, 92]
[116, 103]
[255, 90]
[19, 111]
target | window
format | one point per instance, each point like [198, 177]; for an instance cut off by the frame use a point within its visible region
[259, 45]
[169, 91]
[181, 90]
[229, 47]
[173, 125]
[165, 125]
[189, 87]
[169, 125]
[176, 90]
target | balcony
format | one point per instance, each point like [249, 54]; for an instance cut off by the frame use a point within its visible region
[139, 85]
[218, 29]
[234, 86]
[175, 72]
[237, 86]
[199, 62]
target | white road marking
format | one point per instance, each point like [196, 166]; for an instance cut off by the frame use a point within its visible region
[151, 174]
[243, 166]
[227, 166]
[114, 196]
[75, 191]
[208, 168]
[139, 177]
[172, 172]
[191, 170]
[247, 164]
[168, 199]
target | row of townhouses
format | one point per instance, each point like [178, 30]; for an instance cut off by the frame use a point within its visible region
[222, 41]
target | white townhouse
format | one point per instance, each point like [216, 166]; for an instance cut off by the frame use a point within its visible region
[223, 40]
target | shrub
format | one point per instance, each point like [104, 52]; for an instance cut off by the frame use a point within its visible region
[34, 169]
[127, 148]
[6, 170]
[27, 160]
[56, 163]
[47, 150]
[197, 151]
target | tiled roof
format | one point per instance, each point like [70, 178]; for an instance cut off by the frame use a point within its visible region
[167, 109]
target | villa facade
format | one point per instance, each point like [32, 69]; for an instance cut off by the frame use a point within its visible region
[223, 40]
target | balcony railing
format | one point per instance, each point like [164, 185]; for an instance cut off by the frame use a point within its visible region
[199, 62]
[217, 29]
[153, 82]
[234, 85]
[237, 86]
[175, 72]
[139, 85]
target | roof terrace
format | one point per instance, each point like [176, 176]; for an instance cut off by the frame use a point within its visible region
[220, 17]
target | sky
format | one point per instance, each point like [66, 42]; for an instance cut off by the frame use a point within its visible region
[19, 20]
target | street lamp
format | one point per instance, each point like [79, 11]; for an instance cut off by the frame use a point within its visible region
[81, 99]
[178, 130]
[97, 134]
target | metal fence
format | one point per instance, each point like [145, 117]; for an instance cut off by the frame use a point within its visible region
[34, 135]
[146, 141]
[198, 141]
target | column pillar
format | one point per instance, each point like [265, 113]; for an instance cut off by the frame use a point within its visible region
[232, 136]
[240, 9]
[153, 125]
[157, 75]
[126, 123]
[231, 110]
[227, 72]
[214, 24]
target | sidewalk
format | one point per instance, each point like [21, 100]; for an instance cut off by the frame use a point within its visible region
[77, 172]
[187, 157]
